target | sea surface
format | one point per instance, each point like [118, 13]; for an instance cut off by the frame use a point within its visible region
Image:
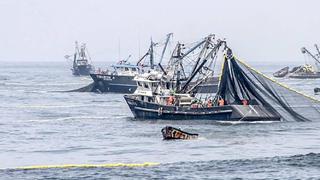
[41, 125]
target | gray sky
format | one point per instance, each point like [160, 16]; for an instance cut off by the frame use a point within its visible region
[257, 30]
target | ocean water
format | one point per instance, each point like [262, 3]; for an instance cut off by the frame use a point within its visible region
[39, 125]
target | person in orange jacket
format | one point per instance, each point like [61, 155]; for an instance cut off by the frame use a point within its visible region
[221, 102]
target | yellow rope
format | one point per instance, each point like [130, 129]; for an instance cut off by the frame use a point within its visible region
[276, 82]
[64, 166]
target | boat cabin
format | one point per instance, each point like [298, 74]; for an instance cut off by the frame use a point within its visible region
[81, 62]
[126, 69]
[152, 88]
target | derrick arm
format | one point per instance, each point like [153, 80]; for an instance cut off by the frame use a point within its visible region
[142, 58]
[317, 50]
[305, 50]
[165, 46]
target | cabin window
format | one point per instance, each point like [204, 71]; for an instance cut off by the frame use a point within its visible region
[142, 98]
[149, 99]
[134, 69]
[146, 85]
[154, 84]
[126, 69]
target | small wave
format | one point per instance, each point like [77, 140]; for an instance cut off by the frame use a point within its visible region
[37, 84]
[246, 122]
[67, 118]
[300, 160]
[60, 106]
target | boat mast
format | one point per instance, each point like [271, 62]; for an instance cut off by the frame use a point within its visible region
[197, 67]
[165, 46]
[83, 51]
[151, 55]
[212, 54]
[175, 62]
[88, 54]
[75, 54]
[177, 56]
[207, 42]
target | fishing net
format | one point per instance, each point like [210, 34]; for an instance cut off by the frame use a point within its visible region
[240, 82]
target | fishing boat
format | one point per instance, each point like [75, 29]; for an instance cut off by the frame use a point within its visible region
[121, 78]
[81, 65]
[306, 71]
[243, 94]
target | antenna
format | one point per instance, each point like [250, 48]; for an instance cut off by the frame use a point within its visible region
[119, 49]
[139, 44]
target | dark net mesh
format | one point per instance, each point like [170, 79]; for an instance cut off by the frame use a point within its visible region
[240, 82]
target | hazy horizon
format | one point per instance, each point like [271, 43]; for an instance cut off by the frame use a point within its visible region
[265, 31]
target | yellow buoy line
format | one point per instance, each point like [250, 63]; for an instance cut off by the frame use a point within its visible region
[66, 166]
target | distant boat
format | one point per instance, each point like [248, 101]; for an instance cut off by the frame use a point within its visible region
[81, 65]
[306, 71]
[121, 78]
[282, 72]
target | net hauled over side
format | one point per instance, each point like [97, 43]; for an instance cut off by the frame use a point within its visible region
[240, 82]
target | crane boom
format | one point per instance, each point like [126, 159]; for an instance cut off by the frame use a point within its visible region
[165, 46]
[305, 50]
[317, 50]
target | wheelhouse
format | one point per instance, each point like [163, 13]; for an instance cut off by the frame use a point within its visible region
[126, 69]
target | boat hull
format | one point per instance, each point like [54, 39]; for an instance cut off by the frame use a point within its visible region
[147, 110]
[105, 83]
[305, 76]
[108, 83]
[82, 70]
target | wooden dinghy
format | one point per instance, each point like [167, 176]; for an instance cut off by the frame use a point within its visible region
[170, 133]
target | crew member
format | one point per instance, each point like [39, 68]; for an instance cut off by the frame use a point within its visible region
[170, 100]
[221, 102]
[209, 103]
[245, 102]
